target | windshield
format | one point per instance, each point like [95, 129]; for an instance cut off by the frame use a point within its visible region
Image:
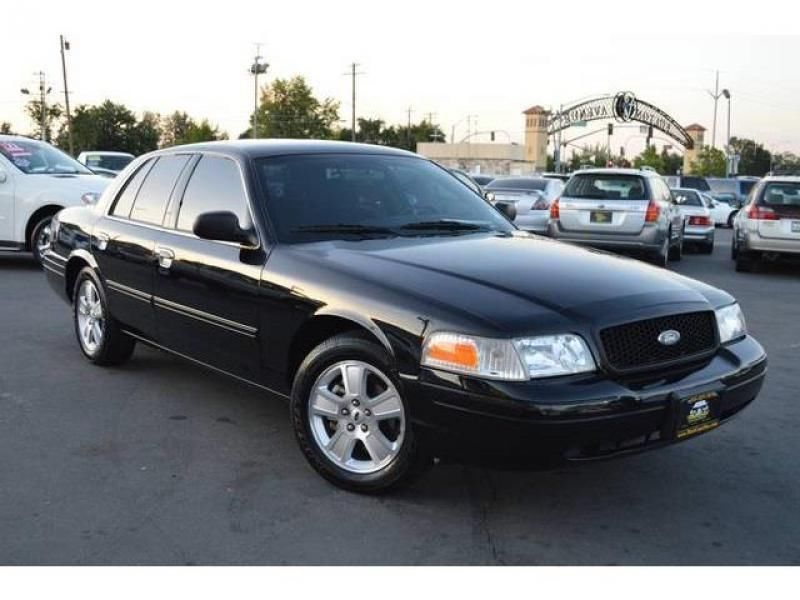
[518, 184]
[105, 161]
[339, 196]
[782, 194]
[38, 158]
[606, 186]
[687, 197]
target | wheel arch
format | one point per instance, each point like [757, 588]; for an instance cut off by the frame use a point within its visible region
[77, 261]
[324, 325]
[48, 210]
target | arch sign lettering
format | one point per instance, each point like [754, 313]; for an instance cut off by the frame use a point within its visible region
[623, 107]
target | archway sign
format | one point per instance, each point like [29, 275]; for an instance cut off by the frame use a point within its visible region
[623, 107]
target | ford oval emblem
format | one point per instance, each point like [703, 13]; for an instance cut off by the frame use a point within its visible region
[670, 337]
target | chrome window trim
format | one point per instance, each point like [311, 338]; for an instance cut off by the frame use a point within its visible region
[200, 315]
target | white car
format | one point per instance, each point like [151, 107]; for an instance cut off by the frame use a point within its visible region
[105, 162]
[698, 224]
[36, 181]
[721, 211]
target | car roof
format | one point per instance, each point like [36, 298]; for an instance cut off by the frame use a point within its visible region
[260, 148]
[783, 178]
[10, 138]
[618, 171]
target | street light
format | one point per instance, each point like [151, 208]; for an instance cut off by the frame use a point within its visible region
[256, 69]
[727, 94]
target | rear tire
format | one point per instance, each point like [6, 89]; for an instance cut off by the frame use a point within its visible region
[676, 252]
[731, 217]
[334, 434]
[99, 336]
[661, 257]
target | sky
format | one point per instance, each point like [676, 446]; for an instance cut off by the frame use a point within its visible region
[451, 59]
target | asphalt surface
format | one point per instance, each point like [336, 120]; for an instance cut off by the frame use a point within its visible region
[161, 462]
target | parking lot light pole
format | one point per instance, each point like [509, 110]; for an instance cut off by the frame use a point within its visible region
[256, 69]
[64, 47]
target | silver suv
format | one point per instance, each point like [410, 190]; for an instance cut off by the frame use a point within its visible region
[620, 209]
[769, 225]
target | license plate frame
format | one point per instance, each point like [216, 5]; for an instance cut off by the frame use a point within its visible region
[601, 217]
[696, 414]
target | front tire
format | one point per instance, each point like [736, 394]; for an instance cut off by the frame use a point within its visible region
[41, 238]
[350, 418]
[99, 336]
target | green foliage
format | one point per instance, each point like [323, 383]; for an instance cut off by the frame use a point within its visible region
[6, 129]
[374, 131]
[110, 126]
[596, 156]
[53, 113]
[786, 161]
[754, 158]
[289, 109]
[179, 128]
[710, 163]
[664, 162]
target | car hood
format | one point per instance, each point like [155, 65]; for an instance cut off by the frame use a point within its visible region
[508, 281]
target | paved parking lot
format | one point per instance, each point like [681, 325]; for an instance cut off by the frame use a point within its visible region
[160, 462]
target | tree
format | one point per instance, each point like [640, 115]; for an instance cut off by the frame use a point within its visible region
[672, 162]
[786, 162]
[110, 126]
[710, 163]
[374, 131]
[5, 128]
[596, 156]
[288, 109]
[53, 113]
[754, 158]
[649, 158]
[179, 128]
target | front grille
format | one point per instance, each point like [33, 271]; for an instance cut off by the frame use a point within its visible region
[635, 346]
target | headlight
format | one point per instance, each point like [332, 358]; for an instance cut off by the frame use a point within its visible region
[551, 355]
[730, 322]
[90, 198]
[509, 360]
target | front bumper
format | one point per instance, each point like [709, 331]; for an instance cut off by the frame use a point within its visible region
[578, 417]
[649, 239]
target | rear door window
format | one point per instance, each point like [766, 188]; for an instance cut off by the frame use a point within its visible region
[606, 186]
[122, 207]
[215, 185]
[153, 196]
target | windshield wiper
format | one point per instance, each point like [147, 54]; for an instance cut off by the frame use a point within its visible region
[443, 225]
[349, 228]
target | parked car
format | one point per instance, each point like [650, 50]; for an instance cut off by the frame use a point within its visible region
[620, 209]
[698, 225]
[738, 186]
[768, 226]
[468, 181]
[482, 178]
[384, 300]
[104, 162]
[36, 181]
[531, 196]
[693, 182]
[723, 207]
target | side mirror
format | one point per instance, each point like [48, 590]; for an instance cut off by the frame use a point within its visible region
[508, 209]
[224, 226]
[489, 197]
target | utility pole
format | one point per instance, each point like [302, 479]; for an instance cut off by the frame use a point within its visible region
[715, 95]
[65, 46]
[43, 100]
[353, 73]
[408, 130]
[256, 69]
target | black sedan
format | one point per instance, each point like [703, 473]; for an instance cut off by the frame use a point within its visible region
[400, 314]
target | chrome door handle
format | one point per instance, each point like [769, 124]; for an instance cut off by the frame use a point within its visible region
[165, 257]
[102, 240]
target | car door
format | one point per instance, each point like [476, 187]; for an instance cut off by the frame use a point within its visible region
[6, 204]
[123, 241]
[206, 292]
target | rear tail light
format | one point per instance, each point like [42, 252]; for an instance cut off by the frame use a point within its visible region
[554, 212]
[699, 221]
[761, 213]
[653, 211]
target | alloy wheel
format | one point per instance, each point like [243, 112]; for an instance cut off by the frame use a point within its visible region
[91, 320]
[356, 417]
